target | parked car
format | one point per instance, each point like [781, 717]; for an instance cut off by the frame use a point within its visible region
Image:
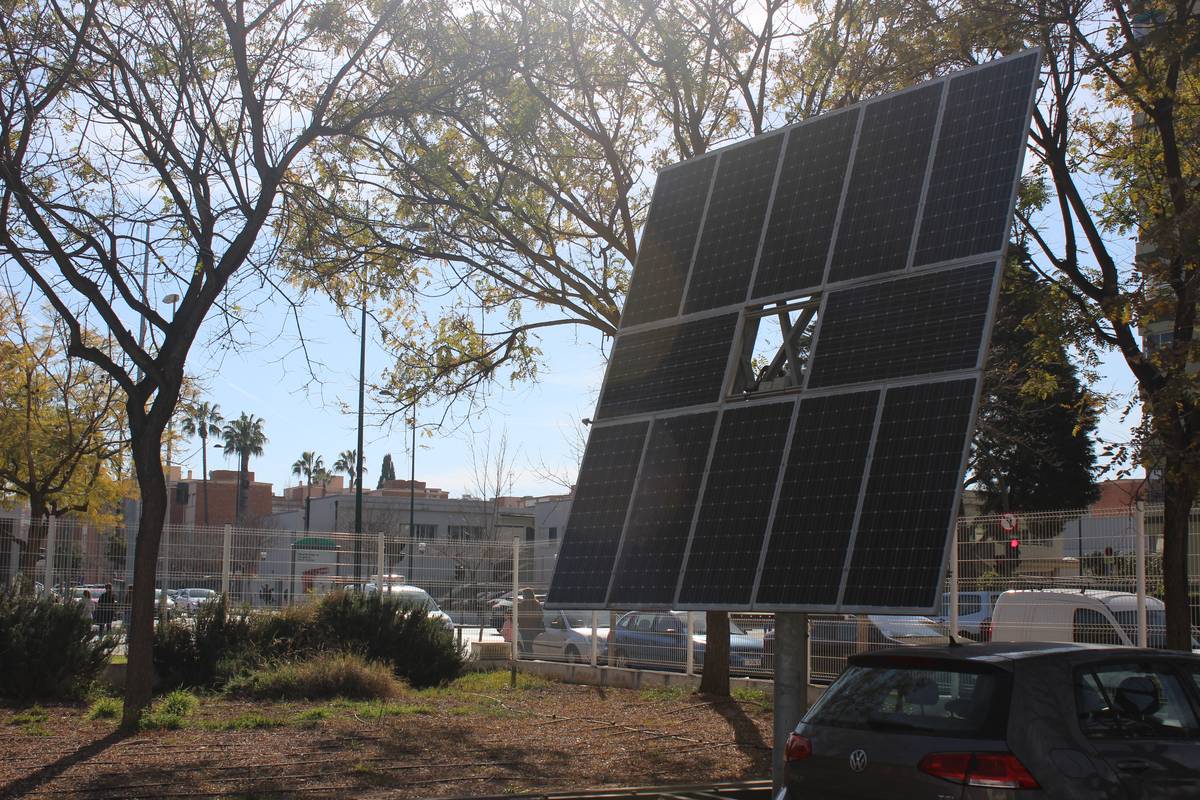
[190, 600]
[658, 640]
[974, 614]
[568, 636]
[832, 639]
[415, 596]
[1077, 615]
[1003, 721]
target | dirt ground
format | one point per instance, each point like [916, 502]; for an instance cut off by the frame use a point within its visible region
[476, 737]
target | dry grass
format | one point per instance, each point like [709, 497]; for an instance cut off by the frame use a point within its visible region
[320, 678]
[476, 736]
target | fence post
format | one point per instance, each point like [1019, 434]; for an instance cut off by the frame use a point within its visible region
[954, 583]
[516, 623]
[595, 646]
[382, 555]
[1143, 633]
[691, 646]
[51, 536]
[226, 558]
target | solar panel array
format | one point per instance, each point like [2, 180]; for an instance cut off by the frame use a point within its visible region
[837, 492]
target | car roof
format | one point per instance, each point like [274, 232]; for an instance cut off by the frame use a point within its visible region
[1002, 654]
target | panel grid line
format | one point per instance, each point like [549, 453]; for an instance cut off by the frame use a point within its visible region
[687, 284]
[841, 210]
[787, 449]
[862, 496]
[612, 574]
[930, 160]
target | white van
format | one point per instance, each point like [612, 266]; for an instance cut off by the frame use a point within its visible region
[1093, 616]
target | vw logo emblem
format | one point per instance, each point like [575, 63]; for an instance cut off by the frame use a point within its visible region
[858, 760]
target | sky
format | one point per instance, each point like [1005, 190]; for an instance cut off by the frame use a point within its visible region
[272, 380]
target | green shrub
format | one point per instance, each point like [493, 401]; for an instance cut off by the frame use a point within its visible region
[47, 649]
[324, 676]
[169, 712]
[218, 646]
[421, 651]
[105, 708]
[287, 633]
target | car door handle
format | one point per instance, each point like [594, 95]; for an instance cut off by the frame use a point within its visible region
[1133, 765]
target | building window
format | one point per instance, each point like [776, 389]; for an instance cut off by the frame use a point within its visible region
[552, 534]
[530, 534]
[464, 533]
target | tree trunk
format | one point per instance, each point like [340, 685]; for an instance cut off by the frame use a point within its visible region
[204, 477]
[39, 526]
[243, 491]
[1179, 496]
[139, 673]
[715, 678]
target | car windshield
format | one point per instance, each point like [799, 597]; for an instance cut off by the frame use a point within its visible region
[907, 627]
[201, 593]
[939, 701]
[1156, 627]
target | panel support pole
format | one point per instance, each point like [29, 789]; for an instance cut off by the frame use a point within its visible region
[1143, 633]
[953, 583]
[791, 685]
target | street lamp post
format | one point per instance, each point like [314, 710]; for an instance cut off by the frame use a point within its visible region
[358, 467]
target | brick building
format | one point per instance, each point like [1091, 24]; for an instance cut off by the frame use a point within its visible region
[186, 498]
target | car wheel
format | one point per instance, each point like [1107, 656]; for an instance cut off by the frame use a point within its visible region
[572, 655]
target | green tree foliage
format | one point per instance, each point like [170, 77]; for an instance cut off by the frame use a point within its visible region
[1034, 447]
[347, 462]
[244, 437]
[387, 471]
[170, 134]
[203, 419]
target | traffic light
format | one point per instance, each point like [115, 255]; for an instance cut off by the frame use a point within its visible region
[1014, 549]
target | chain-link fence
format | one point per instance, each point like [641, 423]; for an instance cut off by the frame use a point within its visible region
[1058, 576]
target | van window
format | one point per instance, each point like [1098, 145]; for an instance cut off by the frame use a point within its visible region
[921, 701]
[1092, 627]
[1140, 701]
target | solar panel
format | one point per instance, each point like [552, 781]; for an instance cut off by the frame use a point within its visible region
[912, 491]
[665, 251]
[663, 507]
[806, 202]
[721, 274]
[885, 184]
[982, 134]
[723, 556]
[920, 324]
[589, 544]
[667, 367]
[785, 416]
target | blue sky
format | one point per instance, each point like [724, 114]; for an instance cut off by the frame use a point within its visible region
[272, 380]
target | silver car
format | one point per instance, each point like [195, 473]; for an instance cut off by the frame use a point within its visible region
[568, 636]
[1003, 721]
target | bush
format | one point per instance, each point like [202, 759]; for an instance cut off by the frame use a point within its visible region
[325, 676]
[105, 708]
[420, 650]
[47, 649]
[217, 647]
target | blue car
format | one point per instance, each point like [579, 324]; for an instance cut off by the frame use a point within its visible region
[658, 640]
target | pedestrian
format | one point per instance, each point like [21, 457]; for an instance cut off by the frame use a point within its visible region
[530, 623]
[86, 607]
[106, 609]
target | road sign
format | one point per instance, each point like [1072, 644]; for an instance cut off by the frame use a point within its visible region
[1009, 522]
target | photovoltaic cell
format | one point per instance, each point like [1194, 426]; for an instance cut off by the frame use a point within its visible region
[885, 185]
[924, 324]
[818, 499]
[665, 251]
[979, 145]
[915, 481]
[593, 531]
[736, 505]
[667, 367]
[663, 507]
[732, 227]
[806, 202]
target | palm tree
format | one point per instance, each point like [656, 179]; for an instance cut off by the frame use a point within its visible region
[307, 465]
[347, 462]
[203, 419]
[245, 437]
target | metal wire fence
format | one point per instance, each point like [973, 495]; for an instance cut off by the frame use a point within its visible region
[1057, 576]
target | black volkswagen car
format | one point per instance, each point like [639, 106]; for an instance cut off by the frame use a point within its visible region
[1003, 721]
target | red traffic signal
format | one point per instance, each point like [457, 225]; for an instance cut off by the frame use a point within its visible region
[1014, 544]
